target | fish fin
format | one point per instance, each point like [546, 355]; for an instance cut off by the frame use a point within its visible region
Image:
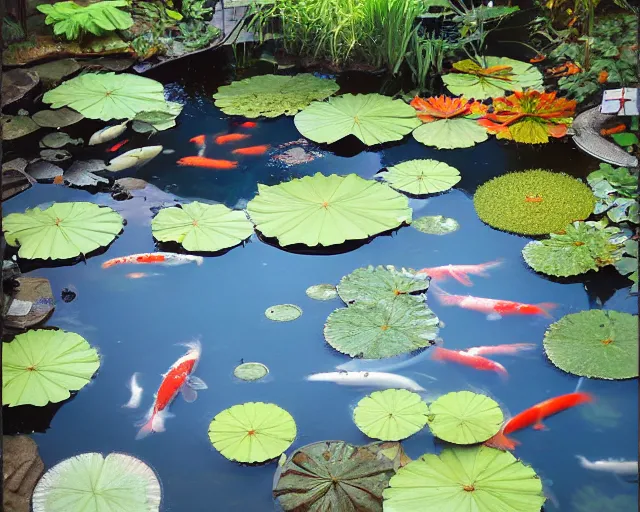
[583, 460]
[502, 442]
[461, 277]
[425, 375]
[490, 264]
[540, 426]
[545, 307]
[194, 344]
[492, 317]
[199, 260]
[579, 385]
[445, 298]
[196, 383]
[502, 372]
[188, 393]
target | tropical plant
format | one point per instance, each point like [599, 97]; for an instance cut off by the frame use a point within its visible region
[420, 177]
[11, 31]
[617, 192]
[196, 34]
[195, 10]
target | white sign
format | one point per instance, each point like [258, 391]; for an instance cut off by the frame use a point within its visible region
[623, 102]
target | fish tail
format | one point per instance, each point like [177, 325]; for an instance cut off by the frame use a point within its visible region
[462, 278]
[108, 264]
[545, 307]
[438, 354]
[199, 260]
[488, 265]
[194, 344]
[583, 461]
[445, 298]
[502, 442]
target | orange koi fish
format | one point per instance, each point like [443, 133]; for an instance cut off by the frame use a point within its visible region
[252, 150]
[510, 349]
[117, 146]
[537, 58]
[198, 139]
[178, 379]
[619, 128]
[231, 137]
[534, 416]
[459, 272]
[248, 124]
[162, 258]
[467, 359]
[208, 163]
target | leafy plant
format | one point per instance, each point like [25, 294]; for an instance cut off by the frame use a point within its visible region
[435, 225]
[195, 10]
[196, 35]
[11, 31]
[425, 56]
[617, 192]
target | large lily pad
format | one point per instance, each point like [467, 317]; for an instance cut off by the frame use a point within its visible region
[16, 83]
[201, 227]
[420, 177]
[336, 476]
[57, 118]
[90, 482]
[43, 366]
[384, 329]
[327, 210]
[451, 133]
[272, 95]
[464, 417]
[596, 344]
[481, 479]
[372, 118]
[372, 284]
[391, 415]
[582, 246]
[14, 127]
[252, 432]
[435, 225]
[62, 231]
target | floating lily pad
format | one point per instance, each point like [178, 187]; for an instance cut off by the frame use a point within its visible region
[481, 479]
[283, 312]
[62, 231]
[327, 210]
[336, 476]
[57, 118]
[81, 174]
[628, 265]
[384, 329]
[90, 482]
[134, 158]
[533, 202]
[322, 292]
[435, 225]
[16, 83]
[14, 127]
[55, 155]
[464, 417]
[43, 171]
[251, 371]
[372, 118]
[391, 415]
[598, 343]
[272, 95]
[252, 432]
[372, 284]
[52, 73]
[420, 177]
[451, 133]
[616, 191]
[58, 140]
[202, 227]
[44, 366]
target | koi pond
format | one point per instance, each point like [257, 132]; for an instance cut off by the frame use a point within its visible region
[474, 337]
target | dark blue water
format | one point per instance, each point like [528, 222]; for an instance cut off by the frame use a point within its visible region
[136, 324]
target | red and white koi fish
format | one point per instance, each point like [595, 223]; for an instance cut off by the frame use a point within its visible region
[252, 150]
[231, 137]
[136, 393]
[208, 163]
[178, 379]
[534, 416]
[466, 359]
[459, 272]
[162, 258]
[512, 348]
[198, 139]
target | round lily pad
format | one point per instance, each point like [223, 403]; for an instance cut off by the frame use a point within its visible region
[322, 292]
[252, 432]
[58, 140]
[58, 118]
[251, 371]
[391, 415]
[464, 417]
[598, 343]
[283, 312]
[372, 284]
[420, 177]
[475, 478]
[14, 127]
[90, 482]
[44, 366]
[435, 225]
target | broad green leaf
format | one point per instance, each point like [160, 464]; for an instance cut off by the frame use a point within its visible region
[283, 312]
[384, 329]
[464, 417]
[372, 118]
[534, 202]
[435, 225]
[327, 210]
[252, 432]
[44, 366]
[420, 177]
[598, 344]
[450, 133]
[530, 131]
[322, 292]
[272, 95]
[391, 415]
[373, 284]
[90, 482]
[476, 478]
[625, 139]
[62, 231]
[251, 371]
[201, 227]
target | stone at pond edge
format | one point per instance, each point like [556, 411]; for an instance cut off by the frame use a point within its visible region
[22, 467]
[58, 118]
[31, 303]
[57, 140]
[16, 83]
[131, 183]
[80, 174]
[51, 73]
[14, 127]
[251, 371]
[322, 292]
[283, 312]
[55, 155]
[14, 179]
[43, 171]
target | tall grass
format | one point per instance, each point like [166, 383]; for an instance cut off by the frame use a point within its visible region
[426, 56]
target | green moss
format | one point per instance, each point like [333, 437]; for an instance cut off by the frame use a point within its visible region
[534, 202]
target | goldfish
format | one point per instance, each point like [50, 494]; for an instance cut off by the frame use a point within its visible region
[466, 359]
[459, 272]
[619, 128]
[513, 348]
[117, 146]
[248, 124]
[534, 416]
[178, 379]
[231, 137]
[252, 150]
[136, 393]
[162, 258]
[139, 275]
[198, 139]
[209, 163]
[537, 58]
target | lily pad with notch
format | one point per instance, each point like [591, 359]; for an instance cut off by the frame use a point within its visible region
[372, 284]
[14, 127]
[41, 170]
[55, 155]
[57, 140]
[81, 174]
[16, 83]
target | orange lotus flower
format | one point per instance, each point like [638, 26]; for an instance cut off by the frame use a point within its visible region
[441, 107]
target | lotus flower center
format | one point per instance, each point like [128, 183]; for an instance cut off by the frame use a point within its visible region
[607, 341]
[469, 488]
[384, 327]
[578, 243]
[31, 368]
[397, 292]
[195, 223]
[325, 204]
[251, 433]
[58, 221]
[357, 121]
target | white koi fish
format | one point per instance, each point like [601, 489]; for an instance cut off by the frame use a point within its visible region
[369, 379]
[134, 158]
[107, 134]
[616, 466]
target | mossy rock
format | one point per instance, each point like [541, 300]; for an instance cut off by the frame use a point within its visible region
[533, 202]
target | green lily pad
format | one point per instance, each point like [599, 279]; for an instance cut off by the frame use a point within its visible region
[475, 478]
[598, 343]
[628, 265]
[420, 177]
[372, 118]
[322, 292]
[327, 210]
[625, 139]
[464, 417]
[52, 73]
[435, 225]
[616, 191]
[450, 133]
[90, 482]
[283, 312]
[384, 329]
[391, 415]
[14, 127]
[44, 366]
[201, 227]
[58, 140]
[252, 432]
[372, 284]
[57, 118]
[272, 95]
[62, 231]
[582, 247]
[534, 202]
[251, 371]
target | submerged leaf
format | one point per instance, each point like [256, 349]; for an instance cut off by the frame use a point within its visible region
[420, 177]
[43, 171]
[16, 83]
[373, 284]
[58, 140]
[283, 312]
[80, 174]
[14, 127]
[57, 118]
[435, 225]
